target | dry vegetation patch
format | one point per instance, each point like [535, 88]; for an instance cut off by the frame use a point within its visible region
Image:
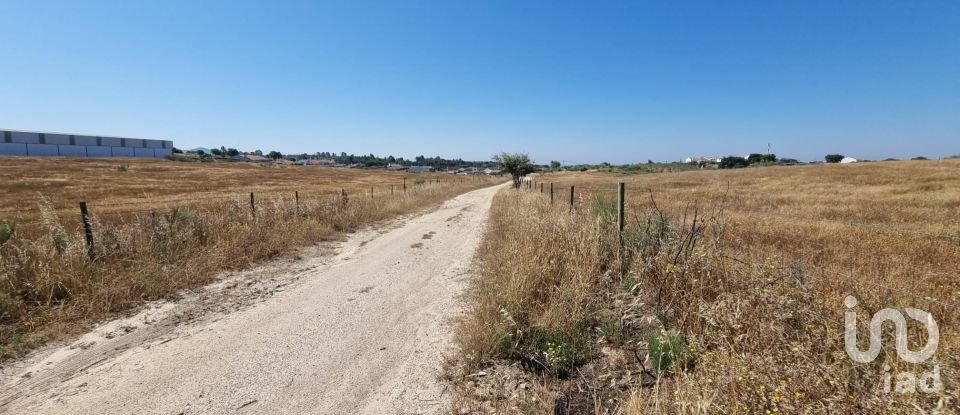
[728, 295]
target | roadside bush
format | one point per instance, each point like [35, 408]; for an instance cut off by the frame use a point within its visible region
[669, 352]
[833, 158]
[733, 162]
[7, 229]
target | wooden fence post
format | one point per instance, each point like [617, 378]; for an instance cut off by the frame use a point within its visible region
[620, 194]
[551, 193]
[541, 187]
[571, 198]
[371, 192]
[620, 223]
[404, 184]
[87, 230]
[253, 207]
[391, 190]
[296, 197]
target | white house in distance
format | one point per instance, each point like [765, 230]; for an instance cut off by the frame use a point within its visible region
[701, 160]
[848, 160]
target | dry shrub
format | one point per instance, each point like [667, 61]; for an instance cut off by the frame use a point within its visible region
[50, 288]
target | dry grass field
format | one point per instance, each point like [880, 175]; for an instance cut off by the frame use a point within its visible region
[129, 185]
[728, 294]
[162, 226]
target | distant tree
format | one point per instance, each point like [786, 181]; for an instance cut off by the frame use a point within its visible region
[733, 162]
[920, 158]
[891, 159]
[554, 165]
[216, 151]
[231, 152]
[757, 158]
[276, 155]
[517, 164]
[201, 152]
[177, 151]
[258, 152]
[833, 158]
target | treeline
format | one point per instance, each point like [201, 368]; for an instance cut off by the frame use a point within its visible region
[371, 160]
[367, 160]
[755, 159]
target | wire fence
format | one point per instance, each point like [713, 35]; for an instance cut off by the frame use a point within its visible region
[562, 190]
[90, 214]
[566, 193]
[31, 216]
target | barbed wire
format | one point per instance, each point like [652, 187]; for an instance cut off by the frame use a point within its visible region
[352, 188]
[562, 191]
[833, 277]
[821, 273]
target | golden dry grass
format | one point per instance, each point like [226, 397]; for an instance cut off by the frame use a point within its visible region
[147, 183]
[155, 232]
[754, 287]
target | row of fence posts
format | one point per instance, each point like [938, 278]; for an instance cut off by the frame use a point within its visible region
[88, 223]
[621, 193]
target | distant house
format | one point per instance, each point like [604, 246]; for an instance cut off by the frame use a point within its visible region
[491, 171]
[396, 167]
[848, 160]
[469, 171]
[702, 160]
[317, 162]
[249, 157]
[420, 169]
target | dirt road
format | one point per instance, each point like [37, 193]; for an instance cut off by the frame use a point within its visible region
[362, 331]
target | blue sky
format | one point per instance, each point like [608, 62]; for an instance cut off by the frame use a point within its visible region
[573, 81]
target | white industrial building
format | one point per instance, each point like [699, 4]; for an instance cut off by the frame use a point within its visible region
[36, 144]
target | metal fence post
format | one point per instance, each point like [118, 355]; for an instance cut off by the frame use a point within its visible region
[87, 230]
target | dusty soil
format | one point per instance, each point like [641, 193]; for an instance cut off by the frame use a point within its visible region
[363, 330]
